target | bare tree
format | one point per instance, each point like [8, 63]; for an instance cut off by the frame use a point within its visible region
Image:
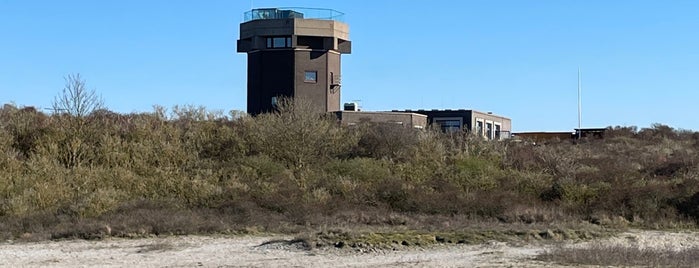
[74, 104]
[76, 99]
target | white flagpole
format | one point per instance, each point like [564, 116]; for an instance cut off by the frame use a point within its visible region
[579, 103]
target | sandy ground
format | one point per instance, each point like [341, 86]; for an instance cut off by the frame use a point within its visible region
[211, 251]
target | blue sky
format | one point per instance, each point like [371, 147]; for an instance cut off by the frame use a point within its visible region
[639, 59]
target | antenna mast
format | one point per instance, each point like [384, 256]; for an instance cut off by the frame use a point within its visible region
[579, 103]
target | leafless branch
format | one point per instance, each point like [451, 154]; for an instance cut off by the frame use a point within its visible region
[76, 99]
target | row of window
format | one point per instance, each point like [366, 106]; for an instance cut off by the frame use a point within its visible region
[303, 41]
[279, 42]
[484, 128]
[492, 131]
[449, 124]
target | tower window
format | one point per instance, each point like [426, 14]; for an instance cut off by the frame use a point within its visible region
[311, 76]
[279, 42]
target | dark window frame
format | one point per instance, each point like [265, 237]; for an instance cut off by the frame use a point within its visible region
[479, 127]
[498, 129]
[489, 130]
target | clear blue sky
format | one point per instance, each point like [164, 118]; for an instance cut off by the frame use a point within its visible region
[640, 59]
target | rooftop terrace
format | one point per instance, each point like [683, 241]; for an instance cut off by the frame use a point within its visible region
[293, 12]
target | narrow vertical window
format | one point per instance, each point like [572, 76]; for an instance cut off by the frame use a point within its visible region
[479, 128]
[489, 130]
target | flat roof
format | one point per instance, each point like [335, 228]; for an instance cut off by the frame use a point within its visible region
[382, 112]
[591, 129]
[543, 132]
[450, 111]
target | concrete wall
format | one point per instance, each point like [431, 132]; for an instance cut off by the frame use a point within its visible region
[333, 72]
[320, 93]
[412, 120]
[251, 31]
[328, 28]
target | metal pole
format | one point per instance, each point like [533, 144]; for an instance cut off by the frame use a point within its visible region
[579, 103]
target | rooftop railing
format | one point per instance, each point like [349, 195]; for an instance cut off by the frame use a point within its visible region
[293, 12]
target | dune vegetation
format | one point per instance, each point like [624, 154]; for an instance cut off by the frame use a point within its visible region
[188, 170]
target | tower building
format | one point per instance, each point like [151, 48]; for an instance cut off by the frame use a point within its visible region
[293, 52]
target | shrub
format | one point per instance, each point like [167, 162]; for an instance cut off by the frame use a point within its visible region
[301, 168]
[385, 141]
[690, 207]
[297, 135]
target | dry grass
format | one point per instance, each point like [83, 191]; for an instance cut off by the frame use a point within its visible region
[619, 255]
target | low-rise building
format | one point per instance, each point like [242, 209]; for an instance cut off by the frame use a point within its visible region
[540, 136]
[488, 125]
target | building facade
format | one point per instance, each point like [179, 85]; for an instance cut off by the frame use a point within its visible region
[488, 125]
[293, 53]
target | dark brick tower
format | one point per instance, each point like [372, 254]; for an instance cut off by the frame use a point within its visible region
[293, 53]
